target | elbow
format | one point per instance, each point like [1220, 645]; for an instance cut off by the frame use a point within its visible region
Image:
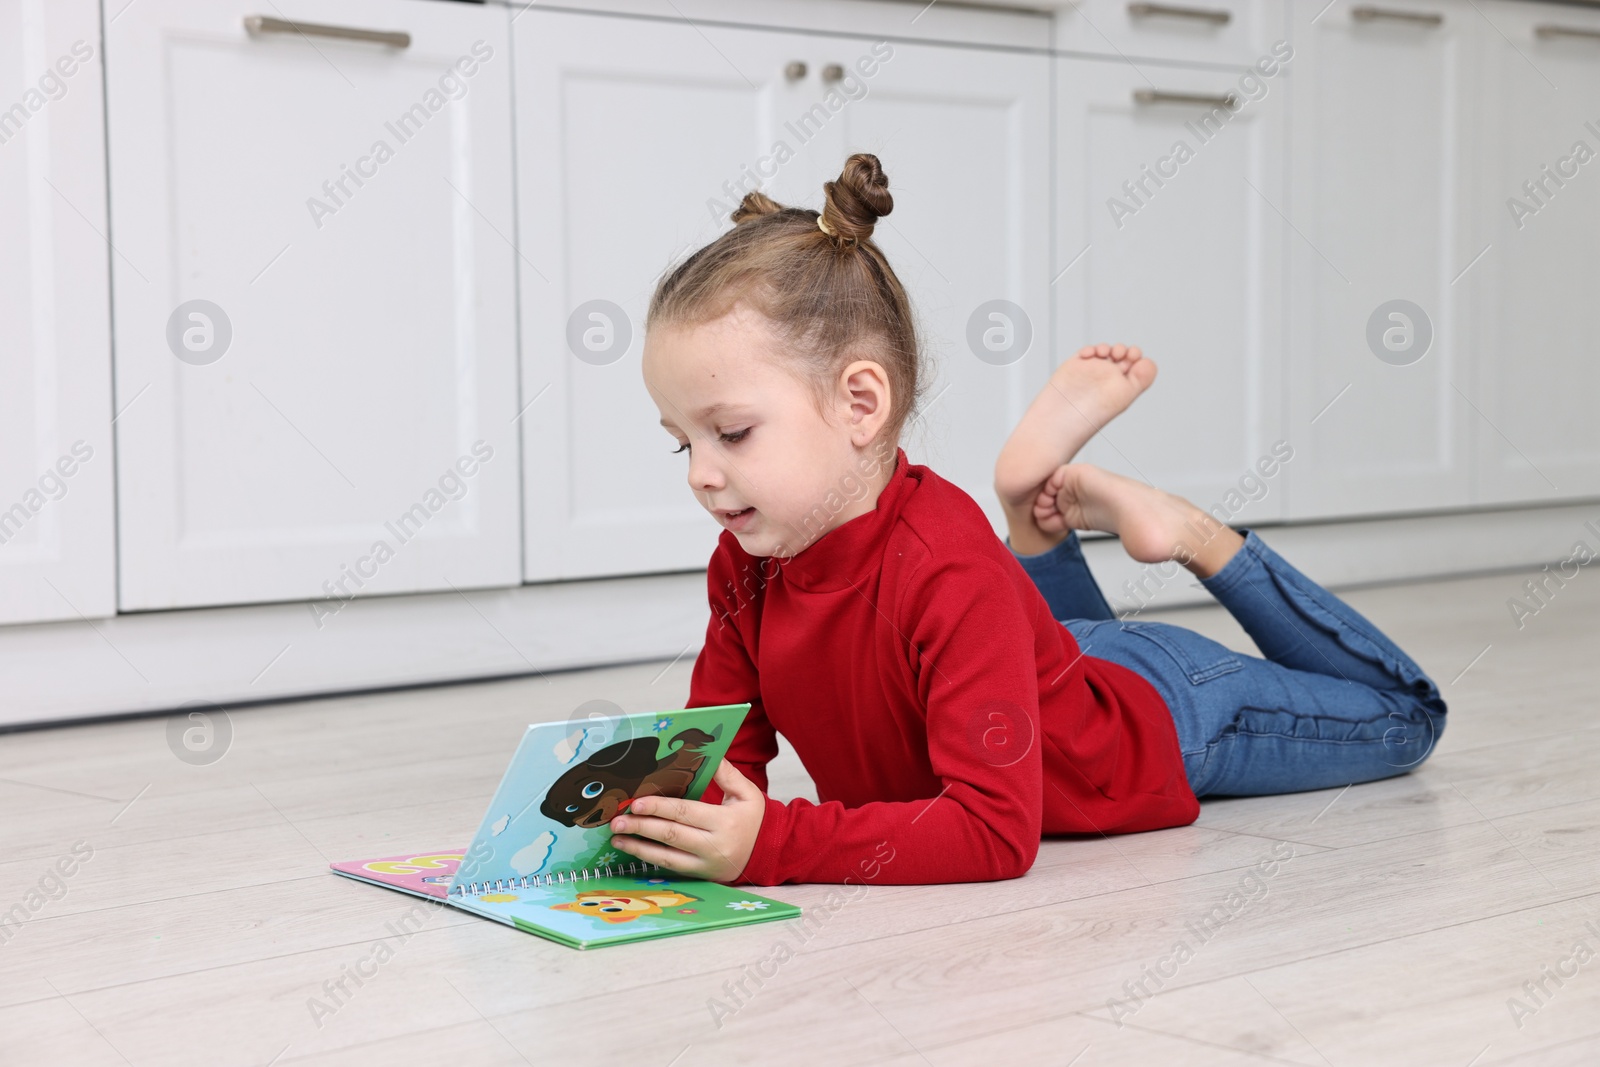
[1017, 858]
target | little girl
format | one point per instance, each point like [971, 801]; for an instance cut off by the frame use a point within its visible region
[952, 696]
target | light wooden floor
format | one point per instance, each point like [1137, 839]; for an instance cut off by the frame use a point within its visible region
[1410, 913]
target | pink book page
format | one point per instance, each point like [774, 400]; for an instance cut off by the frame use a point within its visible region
[428, 873]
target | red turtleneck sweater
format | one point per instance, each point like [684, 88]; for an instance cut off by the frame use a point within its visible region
[946, 719]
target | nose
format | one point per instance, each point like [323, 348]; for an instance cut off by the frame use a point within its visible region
[705, 473]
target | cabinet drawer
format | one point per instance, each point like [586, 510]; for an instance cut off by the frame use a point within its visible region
[1191, 31]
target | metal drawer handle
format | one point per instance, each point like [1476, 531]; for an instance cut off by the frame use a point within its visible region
[267, 24]
[1212, 15]
[1368, 13]
[1564, 31]
[1158, 96]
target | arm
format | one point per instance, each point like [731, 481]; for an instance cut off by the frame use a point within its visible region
[972, 647]
[725, 673]
[712, 838]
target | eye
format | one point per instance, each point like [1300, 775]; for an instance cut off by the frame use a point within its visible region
[730, 438]
[572, 807]
[593, 789]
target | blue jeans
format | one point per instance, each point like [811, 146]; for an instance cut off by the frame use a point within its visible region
[1334, 701]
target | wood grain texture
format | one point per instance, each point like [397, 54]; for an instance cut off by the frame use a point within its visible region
[1411, 912]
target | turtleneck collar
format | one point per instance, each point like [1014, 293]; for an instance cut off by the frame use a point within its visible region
[842, 556]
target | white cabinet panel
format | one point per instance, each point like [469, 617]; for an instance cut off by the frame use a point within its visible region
[1169, 237]
[964, 137]
[57, 557]
[1381, 111]
[1538, 212]
[345, 208]
[1190, 31]
[602, 101]
[635, 140]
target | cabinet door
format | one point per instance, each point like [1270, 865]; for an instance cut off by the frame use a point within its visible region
[1205, 31]
[1180, 251]
[57, 557]
[1379, 200]
[635, 139]
[341, 209]
[1538, 211]
[963, 135]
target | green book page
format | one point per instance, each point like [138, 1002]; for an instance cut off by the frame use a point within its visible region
[607, 911]
[550, 815]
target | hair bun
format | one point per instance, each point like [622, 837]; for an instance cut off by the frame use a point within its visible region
[754, 206]
[857, 200]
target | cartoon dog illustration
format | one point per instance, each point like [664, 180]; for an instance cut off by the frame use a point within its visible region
[624, 907]
[594, 791]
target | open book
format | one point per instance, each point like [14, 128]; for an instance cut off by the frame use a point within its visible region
[542, 860]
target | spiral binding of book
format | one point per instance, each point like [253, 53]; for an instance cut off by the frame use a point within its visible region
[501, 885]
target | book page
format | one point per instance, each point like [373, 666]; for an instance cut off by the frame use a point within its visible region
[567, 780]
[428, 874]
[609, 910]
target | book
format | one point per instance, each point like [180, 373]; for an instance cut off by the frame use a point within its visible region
[542, 860]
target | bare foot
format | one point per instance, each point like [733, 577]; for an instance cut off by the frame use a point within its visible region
[1084, 393]
[1153, 525]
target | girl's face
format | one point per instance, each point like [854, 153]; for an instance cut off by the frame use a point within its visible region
[761, 458]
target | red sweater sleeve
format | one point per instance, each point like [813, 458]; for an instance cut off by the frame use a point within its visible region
[725, 671]
[971, 644]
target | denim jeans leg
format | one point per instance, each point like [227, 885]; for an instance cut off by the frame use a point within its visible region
[1297, 623]
[1247, 726]
[1062, 575]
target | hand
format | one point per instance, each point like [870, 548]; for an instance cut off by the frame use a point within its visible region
[711, 842]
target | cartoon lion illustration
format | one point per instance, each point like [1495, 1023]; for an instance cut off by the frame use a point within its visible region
[593, 792]
[624, 907]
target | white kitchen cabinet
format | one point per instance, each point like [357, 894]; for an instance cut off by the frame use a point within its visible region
[1189, 31]
[338, 416]
[635, 140]
[1381, 192]
[964, 137]
[57, 556]
[1169, 236]
[1537, 211]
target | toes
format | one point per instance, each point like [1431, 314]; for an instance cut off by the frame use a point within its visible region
[1117, 353]
[1142, 372]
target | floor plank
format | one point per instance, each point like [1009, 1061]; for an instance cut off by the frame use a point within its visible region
[204, 926]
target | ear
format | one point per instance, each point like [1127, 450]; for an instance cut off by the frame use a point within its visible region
[864, 388]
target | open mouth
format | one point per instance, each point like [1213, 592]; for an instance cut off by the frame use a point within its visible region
[736, 519]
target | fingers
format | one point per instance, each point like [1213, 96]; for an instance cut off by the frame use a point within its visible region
[675, 834]
[672, 859]
[674, 845]
[688, 812]
[733, 782]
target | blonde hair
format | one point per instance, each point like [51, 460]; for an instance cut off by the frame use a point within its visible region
[832, 296]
